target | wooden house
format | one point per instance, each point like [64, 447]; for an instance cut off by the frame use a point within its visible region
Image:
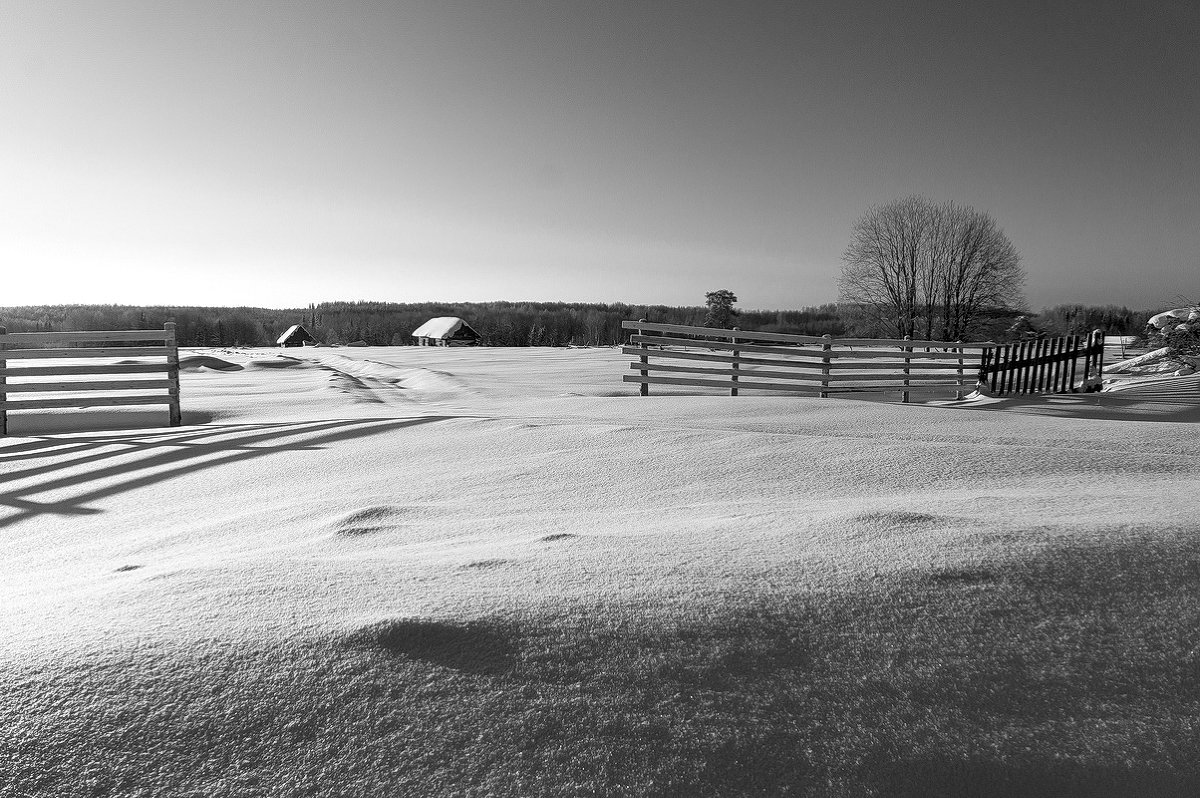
[446, 331]
[296, 336]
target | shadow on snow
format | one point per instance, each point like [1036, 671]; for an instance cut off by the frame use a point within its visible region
[137, 460]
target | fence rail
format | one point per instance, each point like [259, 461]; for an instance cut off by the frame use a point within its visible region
[737, 360]
[1045, 365]
[96, 346]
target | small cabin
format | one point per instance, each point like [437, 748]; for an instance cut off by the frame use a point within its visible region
[446, 331]
[296, 336]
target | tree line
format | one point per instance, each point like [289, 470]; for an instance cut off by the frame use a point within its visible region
[535, 323]
[515, 323]
[392, 324]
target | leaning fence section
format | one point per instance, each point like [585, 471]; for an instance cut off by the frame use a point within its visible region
[1070, 364]
[737, 360]
[46, 370]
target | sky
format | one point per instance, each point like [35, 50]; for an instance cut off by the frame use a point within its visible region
[277, 154]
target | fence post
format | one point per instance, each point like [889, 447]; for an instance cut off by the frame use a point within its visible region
[1036, 365]
[1099, 336]
[1035, 350]
[907, 360]
[1004, 357]
[1064, 352]
[1002, 365]
[958, 350]
[1072, 367]
[1068, 359]
[645, 386]
[1022, 366]
[993, 357]
[985, 360]
[1039, 364]
[1047, 364]
[1073, 347]
[734, 378]
[173, 374]
[1055, 351]
[1035, 374]
[1055, 365]
[826, 347]
[1031, 367]
[1024, 349]
[1087, 363]
[3, 383]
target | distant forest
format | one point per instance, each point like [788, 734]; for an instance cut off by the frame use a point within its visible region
[507, 323]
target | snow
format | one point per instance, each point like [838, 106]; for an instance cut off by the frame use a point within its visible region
[320, 491]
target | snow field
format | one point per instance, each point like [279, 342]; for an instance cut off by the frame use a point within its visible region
[378, 497]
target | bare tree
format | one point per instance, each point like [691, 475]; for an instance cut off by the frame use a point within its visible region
[929, 270]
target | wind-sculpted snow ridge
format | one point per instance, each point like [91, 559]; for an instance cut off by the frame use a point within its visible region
[207, 362]
[1172, 400]
[277, 362]
[369, 380]
[1183, 389]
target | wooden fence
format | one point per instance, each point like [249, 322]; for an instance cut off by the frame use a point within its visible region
[735, 360]
[98, 350]
[1045, 365]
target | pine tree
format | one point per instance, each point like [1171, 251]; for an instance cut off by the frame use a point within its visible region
[720, 308]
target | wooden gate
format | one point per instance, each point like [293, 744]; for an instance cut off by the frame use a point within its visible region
[1044, 365]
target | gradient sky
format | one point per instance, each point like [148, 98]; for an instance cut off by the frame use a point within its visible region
[245, 153]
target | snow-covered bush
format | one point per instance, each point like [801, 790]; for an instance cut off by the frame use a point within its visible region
[1173, 338]
[1178, 331]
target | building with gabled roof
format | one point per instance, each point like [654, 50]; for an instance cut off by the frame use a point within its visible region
[446, 331]
[296, 336]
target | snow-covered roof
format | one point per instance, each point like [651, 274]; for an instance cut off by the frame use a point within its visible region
[441, 327]
[291, 331]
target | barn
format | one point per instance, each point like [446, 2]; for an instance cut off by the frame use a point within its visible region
[446, 331]
[295, 336]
